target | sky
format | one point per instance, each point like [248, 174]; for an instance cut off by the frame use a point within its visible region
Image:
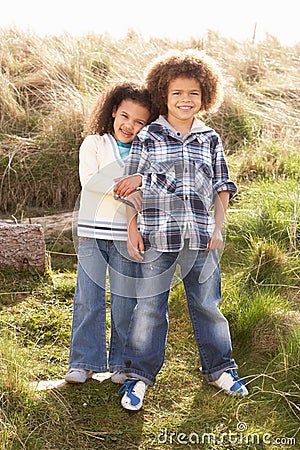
[173, 19]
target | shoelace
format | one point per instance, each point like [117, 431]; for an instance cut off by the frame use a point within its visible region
[128, 388]
[238, 385]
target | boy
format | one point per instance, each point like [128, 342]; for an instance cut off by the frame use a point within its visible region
[180, 165]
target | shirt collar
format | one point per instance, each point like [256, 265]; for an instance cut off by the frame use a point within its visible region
[197, 127]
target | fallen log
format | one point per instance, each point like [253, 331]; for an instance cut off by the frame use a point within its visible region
[22, 247]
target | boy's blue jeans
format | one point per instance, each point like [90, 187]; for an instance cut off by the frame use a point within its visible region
[146, 343]
[88, 338]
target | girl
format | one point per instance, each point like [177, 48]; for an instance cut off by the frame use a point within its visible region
[102, 231]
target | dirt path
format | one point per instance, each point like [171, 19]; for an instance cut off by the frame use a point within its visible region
[52, 225]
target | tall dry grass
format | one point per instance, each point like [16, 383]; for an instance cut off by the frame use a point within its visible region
[49, 85]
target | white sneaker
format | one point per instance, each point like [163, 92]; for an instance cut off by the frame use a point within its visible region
[78, 375]
[230, 383]
[134, 391]
[118, 377]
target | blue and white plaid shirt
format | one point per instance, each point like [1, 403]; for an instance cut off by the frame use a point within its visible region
[180, 178]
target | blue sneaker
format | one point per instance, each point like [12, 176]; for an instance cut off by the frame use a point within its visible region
[133, 394]
[230, 382]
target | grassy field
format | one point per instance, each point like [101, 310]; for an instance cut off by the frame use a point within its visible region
[47, 88]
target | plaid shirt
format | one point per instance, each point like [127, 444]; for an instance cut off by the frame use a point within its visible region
[180, 178]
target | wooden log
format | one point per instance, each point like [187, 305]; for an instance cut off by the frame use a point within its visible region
[22, 247]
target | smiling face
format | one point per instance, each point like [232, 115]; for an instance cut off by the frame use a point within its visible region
[183, 102]
[130, 117]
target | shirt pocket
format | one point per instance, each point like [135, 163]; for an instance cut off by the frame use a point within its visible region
[204, 179]
[163, 179]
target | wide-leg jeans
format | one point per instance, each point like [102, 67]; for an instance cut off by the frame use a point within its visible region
[96, 259]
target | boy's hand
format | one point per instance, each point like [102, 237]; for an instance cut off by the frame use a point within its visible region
[216, 241]
[135, 245]
[126, 185]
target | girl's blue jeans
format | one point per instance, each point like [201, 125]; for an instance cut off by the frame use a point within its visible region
[96, 259]
[146, 342]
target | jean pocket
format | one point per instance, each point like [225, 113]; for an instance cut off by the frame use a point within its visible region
[86, 247]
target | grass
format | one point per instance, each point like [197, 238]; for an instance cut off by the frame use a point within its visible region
[86, 416]
[47, 87]
[181, 410]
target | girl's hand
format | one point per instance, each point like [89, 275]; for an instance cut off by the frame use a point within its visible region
[126, 185]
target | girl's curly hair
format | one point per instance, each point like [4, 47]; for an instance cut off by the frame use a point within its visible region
[101, 120]
[189, 63]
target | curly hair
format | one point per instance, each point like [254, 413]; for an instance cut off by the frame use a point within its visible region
[101, 120]
[189, 63]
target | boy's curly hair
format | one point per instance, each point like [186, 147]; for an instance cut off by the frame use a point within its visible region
[101, 120]
[189, 63]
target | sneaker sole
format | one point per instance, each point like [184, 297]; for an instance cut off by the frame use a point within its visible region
[74, 382]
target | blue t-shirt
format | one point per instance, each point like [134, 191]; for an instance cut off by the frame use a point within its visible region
[124, 149]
